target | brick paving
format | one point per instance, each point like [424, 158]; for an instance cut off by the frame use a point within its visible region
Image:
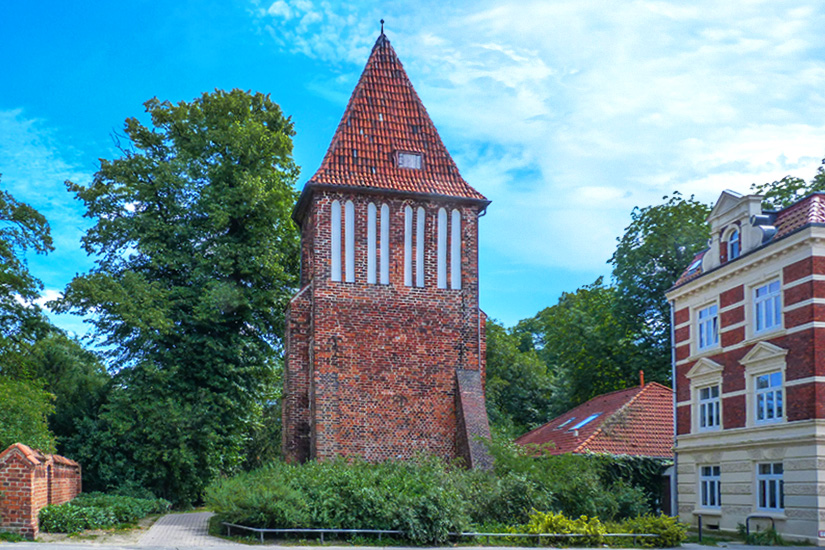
[176, 530]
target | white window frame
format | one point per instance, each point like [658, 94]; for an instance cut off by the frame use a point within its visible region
[710, 486]
[704, 373]
[710, 408]
[769, 400]
[707, 326]
[769, 303]
[770, 487]
[764, 358]
[731, 242]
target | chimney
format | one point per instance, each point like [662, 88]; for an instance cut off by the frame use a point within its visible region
[642, 378]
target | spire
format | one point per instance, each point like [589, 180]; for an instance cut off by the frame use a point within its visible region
[386, 140]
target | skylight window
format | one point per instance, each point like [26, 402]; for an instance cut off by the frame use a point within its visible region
[565, 423]
[586, 421]
[409, 160]
[695, 265]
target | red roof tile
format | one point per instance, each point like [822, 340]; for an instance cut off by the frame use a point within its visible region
[636, 421]
[385, 116]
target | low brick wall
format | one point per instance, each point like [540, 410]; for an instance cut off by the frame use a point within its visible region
[30, 480]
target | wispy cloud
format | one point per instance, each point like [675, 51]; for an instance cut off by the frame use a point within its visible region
[568, 114]
[34, 163]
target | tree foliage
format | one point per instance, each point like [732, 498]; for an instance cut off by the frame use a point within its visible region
[584, 342]
[22, 229]
[654, 251]
[783, 193]
[196, 260]
[24, 408]
[520, 389]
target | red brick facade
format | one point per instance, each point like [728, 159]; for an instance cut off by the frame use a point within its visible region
[805, 350]
[373, 370]
[30, 480]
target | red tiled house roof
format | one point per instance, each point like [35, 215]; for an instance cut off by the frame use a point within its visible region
[637, 421]
[807, 211]
[385, 117]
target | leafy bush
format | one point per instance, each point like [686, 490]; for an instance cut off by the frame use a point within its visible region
[550, 523]
[671, 532]
[419, 498]
[97, 511]
[765, 537]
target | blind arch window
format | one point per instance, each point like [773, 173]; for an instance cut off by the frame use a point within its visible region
[408, 230]
[442, 248]
[385, 244]
[372, 249]
[420, 222]
[455, 250]
[335, 240]
[349, 241]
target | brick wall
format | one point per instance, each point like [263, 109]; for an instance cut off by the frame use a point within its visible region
[371, 368]
[30, 480]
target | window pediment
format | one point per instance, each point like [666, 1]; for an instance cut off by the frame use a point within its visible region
[705, 369]
[764, 355]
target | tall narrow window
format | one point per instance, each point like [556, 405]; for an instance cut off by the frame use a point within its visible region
[770, 486]
[408, 230]
[419, 247]
[769, 398]
[768, 306]
[349, 241]
[385, 244]
[733, 245]
[708, 327]
[710, 478]
[442, 248]
[372, 249]
[335, 240]
[709, 408]
[455, 250]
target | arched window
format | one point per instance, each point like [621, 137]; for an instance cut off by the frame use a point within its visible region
[419, 247]
[385, 244]
[442, 248]
[335, 240]
[408, 230]
[733, 245]
[455, 250]
[349, 241]
[372, 250]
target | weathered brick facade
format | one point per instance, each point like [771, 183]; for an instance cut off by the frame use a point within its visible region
[30, 480]
[373, 368]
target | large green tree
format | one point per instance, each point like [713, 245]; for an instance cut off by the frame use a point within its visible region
[584, 343]
[22, 229]
[654, 251]
[196, 259]
[519, 389]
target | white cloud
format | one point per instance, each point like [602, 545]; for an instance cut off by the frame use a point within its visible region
[568, 114]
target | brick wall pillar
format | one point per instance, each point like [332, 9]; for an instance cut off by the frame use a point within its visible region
[30, 480]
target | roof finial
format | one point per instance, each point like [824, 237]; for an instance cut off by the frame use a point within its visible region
[382, 26]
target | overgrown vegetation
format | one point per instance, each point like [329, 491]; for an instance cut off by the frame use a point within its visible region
[98, 511]
[427, 499]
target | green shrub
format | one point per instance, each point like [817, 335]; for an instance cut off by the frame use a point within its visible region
[420, 498]
[549, 523]
[97, 511]
[671, 532]
[765, 537]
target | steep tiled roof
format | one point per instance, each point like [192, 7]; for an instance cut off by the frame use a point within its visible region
[689, 273]
[384, 117]
[636, 421]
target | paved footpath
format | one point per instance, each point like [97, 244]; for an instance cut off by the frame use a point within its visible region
[177, 530]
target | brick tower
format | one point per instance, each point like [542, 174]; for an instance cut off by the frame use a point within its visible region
[385, 339]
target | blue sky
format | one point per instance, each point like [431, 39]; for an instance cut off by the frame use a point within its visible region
[565, 114]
